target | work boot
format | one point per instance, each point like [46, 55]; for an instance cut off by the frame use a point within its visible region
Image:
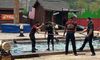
[48, 49]
[36, 49]
[66, 53]
[80, 49]
[93, 54]
[75, 54]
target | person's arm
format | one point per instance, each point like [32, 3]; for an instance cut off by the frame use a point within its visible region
[45, 33]
[37, 31]
[75, 27]
[40, 26]
[65, 28]
[90, 32]
[84, 30]
[64, 31]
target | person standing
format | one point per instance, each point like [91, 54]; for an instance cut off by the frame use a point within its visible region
[89, 36]
[70, 28]
[34, 29]
[49, 30]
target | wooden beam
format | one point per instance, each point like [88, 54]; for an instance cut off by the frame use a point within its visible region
[16, 11]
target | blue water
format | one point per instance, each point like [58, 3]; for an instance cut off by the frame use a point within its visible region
[26, 47]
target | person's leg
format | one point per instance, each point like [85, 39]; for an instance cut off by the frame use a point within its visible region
[52, 42]
[84, 43]
[74, 44]
[67, 44]
[57, 40]
[33, 43]
[48, 43]
[91, 46]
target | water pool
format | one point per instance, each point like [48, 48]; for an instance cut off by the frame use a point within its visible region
[20, 48]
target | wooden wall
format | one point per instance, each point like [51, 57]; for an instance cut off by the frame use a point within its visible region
[96, 22]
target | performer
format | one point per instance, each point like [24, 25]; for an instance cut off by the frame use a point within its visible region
[34, 29]
[89, 37]
[49, 31]
[70, 28]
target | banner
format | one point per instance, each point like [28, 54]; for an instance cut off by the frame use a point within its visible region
[6, 17]
[32, 13]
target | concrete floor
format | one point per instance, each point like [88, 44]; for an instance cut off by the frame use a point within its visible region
[81, 56]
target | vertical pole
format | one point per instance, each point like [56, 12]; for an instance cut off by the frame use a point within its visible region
[53, 21]
[52, 17]
[67, 16]
[62, 17]
[16, 11]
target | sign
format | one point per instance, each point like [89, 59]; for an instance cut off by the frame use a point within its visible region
[32, 13]
[55, 13]
[6, 17]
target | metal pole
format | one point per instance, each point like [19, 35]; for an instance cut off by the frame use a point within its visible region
[62, 16]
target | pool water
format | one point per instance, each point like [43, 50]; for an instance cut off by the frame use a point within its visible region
[42, 46]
